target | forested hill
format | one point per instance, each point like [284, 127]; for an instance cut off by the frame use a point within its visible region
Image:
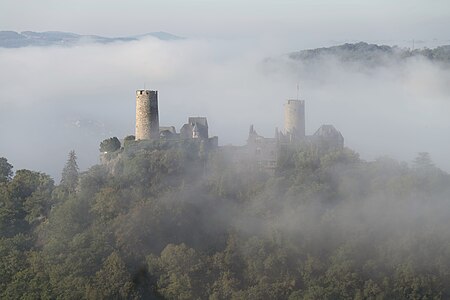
[372, 54]
[174, 220]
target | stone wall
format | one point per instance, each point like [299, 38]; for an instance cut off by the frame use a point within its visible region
[294, 119]
[147, 116]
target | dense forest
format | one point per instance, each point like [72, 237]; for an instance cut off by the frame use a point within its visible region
[174, 220]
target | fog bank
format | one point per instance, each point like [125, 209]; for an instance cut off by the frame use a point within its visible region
[54, 99]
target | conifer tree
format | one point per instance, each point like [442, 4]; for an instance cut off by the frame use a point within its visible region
[423, 161]
[5, 170]
[69, 176]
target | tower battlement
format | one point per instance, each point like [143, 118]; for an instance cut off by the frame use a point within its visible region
[293, 102]
[145, 92]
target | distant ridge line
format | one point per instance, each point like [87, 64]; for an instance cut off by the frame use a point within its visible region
[14, 39]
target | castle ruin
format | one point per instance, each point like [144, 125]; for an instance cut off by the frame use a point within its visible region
[147, 122]
[261, 150]
[265, 151]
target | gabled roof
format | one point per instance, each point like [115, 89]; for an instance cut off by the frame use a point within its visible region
[327, 131]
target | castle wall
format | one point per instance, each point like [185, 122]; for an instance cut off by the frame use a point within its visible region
[147, 116]
[294, 119]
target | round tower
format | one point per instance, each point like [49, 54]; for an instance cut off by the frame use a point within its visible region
[294, 119]
[147, 119]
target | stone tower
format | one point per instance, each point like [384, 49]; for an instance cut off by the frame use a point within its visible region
[294, 119]
[147, 119]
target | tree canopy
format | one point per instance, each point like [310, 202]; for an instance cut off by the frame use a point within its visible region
[110, 145]
[163, 222]
[5, 170]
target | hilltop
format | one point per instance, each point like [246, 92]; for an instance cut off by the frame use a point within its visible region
[166, 220]
[13, 39]
[370, 54]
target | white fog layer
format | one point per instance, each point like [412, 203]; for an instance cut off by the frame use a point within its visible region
[55, 99]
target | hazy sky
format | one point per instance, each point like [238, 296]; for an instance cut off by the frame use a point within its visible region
[313, 21]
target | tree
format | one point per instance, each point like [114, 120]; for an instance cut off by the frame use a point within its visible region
[180, 270]
[128, 140]
[108, 204]
[423, 161]
[5, 170]
[110, 145]
[69, 177]
[24, 200]
[112, 281]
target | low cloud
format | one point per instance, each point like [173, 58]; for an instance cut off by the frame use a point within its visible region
[54, 99]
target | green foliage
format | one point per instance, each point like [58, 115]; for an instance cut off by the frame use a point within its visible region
[180, 270]
[112, 281]
[173, 220]
[69, 176]
[24, 201]
[13, 258]
[128, 140]
[110, 145]
[108, 204]
[5, 170]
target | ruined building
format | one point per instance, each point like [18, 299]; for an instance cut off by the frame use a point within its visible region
[147, 122]
[264, 151]
[196, 128]
[328, 138]
[147, 118]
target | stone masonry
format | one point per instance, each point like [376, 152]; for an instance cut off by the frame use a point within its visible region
[147, 118]
[294, 119]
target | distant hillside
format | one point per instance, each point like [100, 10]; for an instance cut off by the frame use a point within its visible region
[12, 39]
[371, 54]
